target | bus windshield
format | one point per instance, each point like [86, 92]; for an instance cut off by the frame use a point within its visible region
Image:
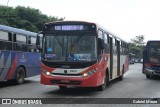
[66, 47]
[154, 54]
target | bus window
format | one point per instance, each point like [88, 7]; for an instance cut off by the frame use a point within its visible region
[4, 35]
[29, 39]
[21, 38]
[113, 41]
[33, 40]
[100, 34]
[154, 54]
[20, 47]
[105, 38]
[21, 43]
[4, 41]
[5, 45]
[32, 46]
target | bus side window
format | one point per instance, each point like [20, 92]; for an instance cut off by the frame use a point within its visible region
[5, 43]
[100, 34]
[115, 42]
[108, 38]
[106, 42]
[32, 46]
[21, 43]
[105, 38]
[29, 40]
[113, 46]
[122, 48]
[4, 36]
[100, 40]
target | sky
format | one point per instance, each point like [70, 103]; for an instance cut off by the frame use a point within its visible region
[125, 18]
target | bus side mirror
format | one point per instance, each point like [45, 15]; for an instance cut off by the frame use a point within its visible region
[100, 43]
[39, 41]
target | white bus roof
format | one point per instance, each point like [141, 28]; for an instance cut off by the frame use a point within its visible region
[16, 30]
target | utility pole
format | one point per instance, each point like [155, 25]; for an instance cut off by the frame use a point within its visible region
[7, 2]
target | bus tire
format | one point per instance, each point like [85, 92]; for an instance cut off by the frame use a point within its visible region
[104, 85]
[120, 78]
[148, 76]
[20, 75]
[62, 87]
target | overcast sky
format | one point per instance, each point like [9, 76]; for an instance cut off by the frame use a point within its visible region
[126, 18]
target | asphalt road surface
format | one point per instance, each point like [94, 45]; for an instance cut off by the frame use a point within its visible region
[133, 85]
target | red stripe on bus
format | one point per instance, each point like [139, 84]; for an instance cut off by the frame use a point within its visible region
[12, 69]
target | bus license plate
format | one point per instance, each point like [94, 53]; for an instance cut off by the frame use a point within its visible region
[65, 81]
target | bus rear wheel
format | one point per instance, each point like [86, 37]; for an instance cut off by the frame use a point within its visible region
[120, 78]
[20, 75]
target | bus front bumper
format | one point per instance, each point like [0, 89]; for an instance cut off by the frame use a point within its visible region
[151, 72]
[90, 81]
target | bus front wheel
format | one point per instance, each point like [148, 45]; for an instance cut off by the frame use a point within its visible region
[20, 75]
[148, 76]
[103, 86]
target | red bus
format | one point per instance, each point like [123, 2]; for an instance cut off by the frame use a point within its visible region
[81, 54]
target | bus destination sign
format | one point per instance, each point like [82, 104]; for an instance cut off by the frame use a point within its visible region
[154, 44]
[74, 27]
[69, 27]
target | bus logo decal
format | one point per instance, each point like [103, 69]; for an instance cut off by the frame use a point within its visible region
[65, 71]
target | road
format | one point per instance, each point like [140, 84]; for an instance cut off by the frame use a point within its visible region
[133, 85]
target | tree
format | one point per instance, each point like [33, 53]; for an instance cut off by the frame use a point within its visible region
[136, 46]
[138, 40]
[25, 18]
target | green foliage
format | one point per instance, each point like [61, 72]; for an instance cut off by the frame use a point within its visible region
[25, 18]
[138, 40]
[136, 46]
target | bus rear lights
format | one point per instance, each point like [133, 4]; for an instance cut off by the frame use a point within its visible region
[89, 73]
[46, 72]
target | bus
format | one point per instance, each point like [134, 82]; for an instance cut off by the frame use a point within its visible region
[80, 54]
[19, 56]
[151, 59]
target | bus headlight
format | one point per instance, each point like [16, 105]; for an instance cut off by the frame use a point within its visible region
[85, 75]
[46, 72]
[89, 73]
